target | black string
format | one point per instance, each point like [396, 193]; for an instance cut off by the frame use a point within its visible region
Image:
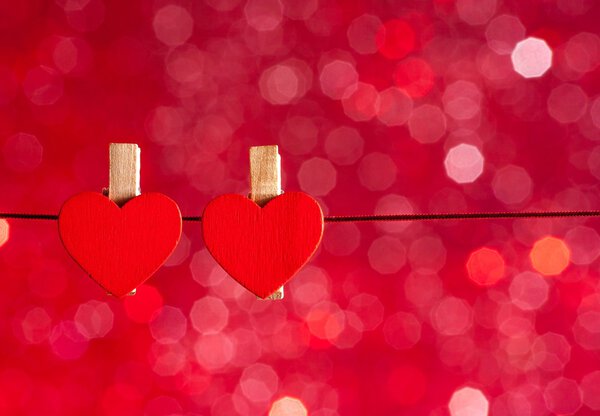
[387, 217]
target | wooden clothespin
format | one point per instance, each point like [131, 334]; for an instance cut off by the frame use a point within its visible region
[265, 182]
[124, 175]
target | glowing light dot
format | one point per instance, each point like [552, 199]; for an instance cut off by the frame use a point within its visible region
[584, 243]
[317, 176]
[361, 104]
[512, 184]
[563, 396]
[395, 107]
[326, 320]
[550, 256]
[338, 79]
[387, 255]
[377, 171]
[464, 163]
[215, 351]
[288, 406]
[427, 123]
[590, 387]
[23, 152]
[452, 316]
[414, 76]
[503, 33]
[402, 330]
[485, 266]
[395, 39]
[263, 15]
[361, 33]
[344, 145]
[476, 12]
[567, 103]
[94, 319]
[169, 325]
[209, 315]
[468, 401]
[259, 382]
[173, 25]
[279, 84]
[531, 58]
[528, 291]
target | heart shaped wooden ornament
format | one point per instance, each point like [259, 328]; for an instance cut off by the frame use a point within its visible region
[120, 248]
[262, 248]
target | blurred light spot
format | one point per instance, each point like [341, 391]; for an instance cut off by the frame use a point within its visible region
[468, 401]
[512, 184]
[72, 55]
[464, 163]
[66, 342]
[326, 320]
[395, 39]
[167, 359]
[362, 32]
[317, 176]
[563, 396]
[94, 319]
[173, 25]
[395, 107]
[298, 135]
[36, 325]
[427, 124]
[248, 347]
[43, 86]
[141, 307]
[288, 406]
[263, 15]
[23, 152]
[279, 85]
[567, 103]
[361, 103]
[590, 388]
[369, 310]
[582, 52]
[309, 286]
[344, 145]
[387, 255]
[550, 256]
[486, 266]
[531, 58]
[209, 315]
[169, 325]
[414, 76]
[338, 79]
[181, 252]
[551, 351]
[503, 33]
[300, 10]
[476, 12]
[377, 171]
[452, 316]
[406, 385]
[587, 329]
[423, 289]
[529, 291]
[341, 239]
[427, 254]
[259, 383]
[393, 204]
[462, 100]
[215, 351]
[402, 330]
[584, 243]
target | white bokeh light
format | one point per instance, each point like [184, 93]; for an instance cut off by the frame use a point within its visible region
[468, 402]
[531, 58]
[464, 163]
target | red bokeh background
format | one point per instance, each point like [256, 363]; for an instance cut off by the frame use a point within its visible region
[389, 106]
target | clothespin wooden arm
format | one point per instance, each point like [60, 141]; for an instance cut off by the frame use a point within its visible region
[265, 182]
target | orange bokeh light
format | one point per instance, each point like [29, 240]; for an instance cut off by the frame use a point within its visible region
[485, 266]
[4, 232]
[550, 256]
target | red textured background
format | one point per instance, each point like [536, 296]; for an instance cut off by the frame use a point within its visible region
[406, 319]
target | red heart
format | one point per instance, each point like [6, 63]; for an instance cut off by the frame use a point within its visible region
[120, 248]
[262, 248]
